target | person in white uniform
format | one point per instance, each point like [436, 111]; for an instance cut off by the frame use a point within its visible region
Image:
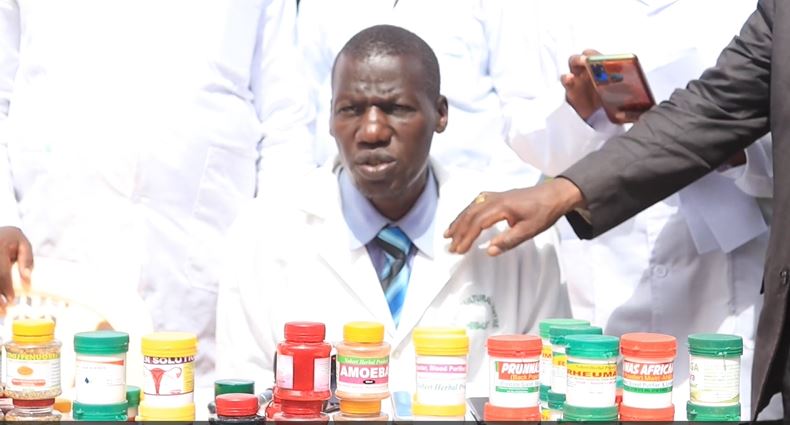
[318, 256]
[479, 52]
[692, 262]
[131, 132]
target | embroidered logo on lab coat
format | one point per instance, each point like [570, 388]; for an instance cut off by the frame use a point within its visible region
[479, 313]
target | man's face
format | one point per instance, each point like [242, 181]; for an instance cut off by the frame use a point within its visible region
[383, 121]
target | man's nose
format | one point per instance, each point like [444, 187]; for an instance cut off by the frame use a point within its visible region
[376, 128]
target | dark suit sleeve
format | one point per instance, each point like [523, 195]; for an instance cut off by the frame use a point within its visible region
[684, 138]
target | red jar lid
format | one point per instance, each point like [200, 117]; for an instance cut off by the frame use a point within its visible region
[237, 404]
[650, 345]
[637, 414]
[305, 331]
[514, 345]
[34, 403]
[512, 414]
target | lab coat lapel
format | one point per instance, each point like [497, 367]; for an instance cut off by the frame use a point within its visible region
[430, 276]
[352, 267]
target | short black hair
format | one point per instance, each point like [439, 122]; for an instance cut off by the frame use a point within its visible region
[389, 40]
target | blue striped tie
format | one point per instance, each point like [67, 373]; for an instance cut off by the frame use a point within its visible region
[394, 276]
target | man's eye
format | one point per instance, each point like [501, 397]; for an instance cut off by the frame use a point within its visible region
[350, 109]
[401, 108]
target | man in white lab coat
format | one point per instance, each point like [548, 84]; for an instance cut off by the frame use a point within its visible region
[478, 49]
[132, 131]
[691, 263]
[313, 253]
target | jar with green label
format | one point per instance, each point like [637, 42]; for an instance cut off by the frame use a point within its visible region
[715, 369]
[33, 361]
[546, 353]
[559, 359]
[592, 370]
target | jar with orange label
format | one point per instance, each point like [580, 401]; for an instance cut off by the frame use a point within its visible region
[363, 362]
[33, 361]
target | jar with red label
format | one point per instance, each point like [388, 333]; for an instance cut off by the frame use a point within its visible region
[648, 370]
[363, 362]
[514, 372]
[303, 363]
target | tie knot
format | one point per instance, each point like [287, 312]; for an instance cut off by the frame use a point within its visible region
[395, 237]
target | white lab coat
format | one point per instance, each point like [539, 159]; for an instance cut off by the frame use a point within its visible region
[294, 262]
[478, 53]
[131, 132]
[648, 273]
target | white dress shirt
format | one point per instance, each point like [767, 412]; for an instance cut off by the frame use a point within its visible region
[132, 131]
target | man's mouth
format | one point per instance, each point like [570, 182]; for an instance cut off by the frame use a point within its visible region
[375, 169]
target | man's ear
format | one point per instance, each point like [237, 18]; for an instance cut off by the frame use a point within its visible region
[331, 115]
[443, 110]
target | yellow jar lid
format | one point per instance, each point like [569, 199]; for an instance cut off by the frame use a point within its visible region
[418, 409]
[438, 330]
[155, 413]
[450, 343]
[33, 330]
[363, 332]
[360, 407]
[169, 344]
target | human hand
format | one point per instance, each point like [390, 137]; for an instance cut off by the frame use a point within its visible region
[579, 89]
[528, 211]
[14, 247]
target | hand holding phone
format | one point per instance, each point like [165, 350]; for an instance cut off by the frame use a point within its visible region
[621, 86]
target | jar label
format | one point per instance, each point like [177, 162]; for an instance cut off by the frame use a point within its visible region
[441, 381]
[714, 380]
[168, 376]
[100, 379]
[285, 371]
[591, 384]
[363, 375]
[322, 373]
[558, 372]
[545, 365]
[517, 377]
[647, 378]
[32, 372]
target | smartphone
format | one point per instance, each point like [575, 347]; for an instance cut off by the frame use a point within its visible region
[621, 85]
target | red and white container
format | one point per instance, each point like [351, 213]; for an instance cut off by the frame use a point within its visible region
[514, 372]
[648, 370]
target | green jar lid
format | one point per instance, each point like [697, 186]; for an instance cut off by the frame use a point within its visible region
[556, 400]
[718, 345]
[544, 392]
[99, 412]
[546, 324]
[231, 386]
[700, 413]
[557, 334]
[133, 395]
[589, 414]
[592, 346]
[618, 382]
[101, 342]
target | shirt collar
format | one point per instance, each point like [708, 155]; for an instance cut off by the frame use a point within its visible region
[364, 221]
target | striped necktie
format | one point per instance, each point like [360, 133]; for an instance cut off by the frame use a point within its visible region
[394, 276]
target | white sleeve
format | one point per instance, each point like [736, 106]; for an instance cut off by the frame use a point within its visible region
[245, 340]
[756, 177]
[527, 58]
[9, 52]
[281, 100]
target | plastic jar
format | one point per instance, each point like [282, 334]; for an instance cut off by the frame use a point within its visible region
[363, 362]
[33, 361]
[492, 413]
[589, 414]
[715, 368]
[422, 412]
[700, 413]
[100, 412]
[360, 411]
[148, 413]
[546, 354]
[441, 368]
[133, 401]
[303, 363]
[100, 375]
[229, 386]
[301, 411]
[648, 369]
[554, 405]
[592, 370]
[33, 410]
[559, 359]
[238, 408]
[169, 369]
[514, 372]
[634, 414]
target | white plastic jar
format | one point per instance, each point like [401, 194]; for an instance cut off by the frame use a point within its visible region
[715, 369]
[559, 359]
[546, 354]
[514, 370]
[441, 365]
[592, 371]
[100, 376]
[648, 370]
